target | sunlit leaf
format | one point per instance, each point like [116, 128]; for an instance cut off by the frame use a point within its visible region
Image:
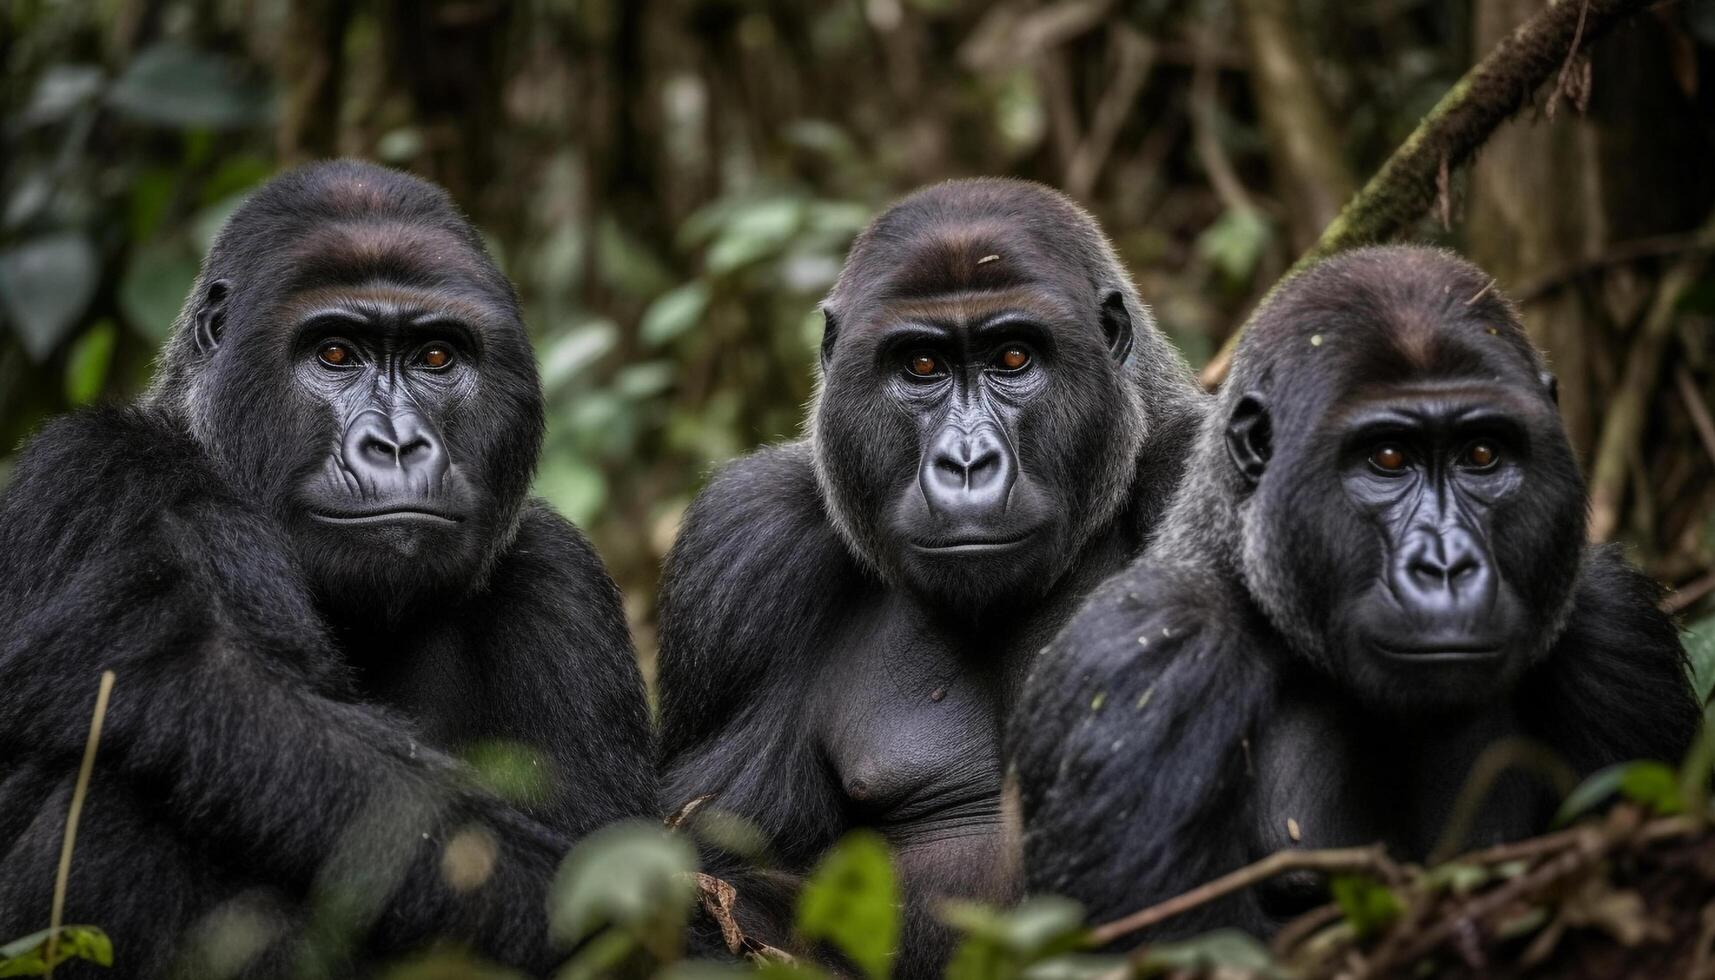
[1234, 244]
[673, 313]
[634, 876]
[87, 362]
[1224, 949]
[45, 284]
[28, 956]
[61, 90]
[851, 901]
[1368, 905]
[576, 489]
[564, 356]
[173, 84]
[154, 286]
[1000, 943]
[1652, 784]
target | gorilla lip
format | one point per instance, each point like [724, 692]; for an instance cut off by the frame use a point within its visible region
[972, 546]
[388, 516]
[1444, 653]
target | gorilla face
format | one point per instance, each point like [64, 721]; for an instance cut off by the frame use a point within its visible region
[372, 384]
[1426, 510]
[974, 425]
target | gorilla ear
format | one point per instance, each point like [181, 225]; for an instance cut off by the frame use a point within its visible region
[1249, 437]
[1550, 384]
[830, 333]
[211, 314]
[1116, 326]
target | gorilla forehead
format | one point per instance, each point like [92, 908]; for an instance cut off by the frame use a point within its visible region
[1381, 316]
[972, 236]
[370, 252]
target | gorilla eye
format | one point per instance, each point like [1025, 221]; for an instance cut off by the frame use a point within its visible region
[923, 365]
[335, 354]
[1012, 359]
[1481, 455]
[436, 356]
[1388, 459]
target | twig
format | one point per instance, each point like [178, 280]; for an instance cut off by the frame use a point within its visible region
[1205, 115]
[1626, 415]
[1623, 253]
[1493, 91]
[57, 916]
[1687, 595]
[1373, 859]
[1695, 407]
[1136, 54]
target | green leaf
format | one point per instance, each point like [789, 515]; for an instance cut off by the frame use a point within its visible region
[511, 770]
[634, 876]
[1369, 906]
[756, 232]
[173, 84]
[999, 944]
[154, 286]
[45, 285]
[1700, 652]
[852, 902]
[1234, 244]
[28, 956]
[565, 356]
[1595, 790]
[87, 362]
[60, 91]
[575, 488]
[1222, 950]
[1652, 784]
[673, 313]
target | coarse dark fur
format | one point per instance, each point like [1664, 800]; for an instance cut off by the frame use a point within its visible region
[1225, 697]
[296, 672]
[835, 653]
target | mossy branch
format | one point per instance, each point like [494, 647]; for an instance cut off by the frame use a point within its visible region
[1493, 91]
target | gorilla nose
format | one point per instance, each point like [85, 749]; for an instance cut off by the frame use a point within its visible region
[395, 451]
[968, 474]
[1447, 570]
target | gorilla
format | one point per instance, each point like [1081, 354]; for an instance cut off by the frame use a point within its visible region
[1375, 569]
[310, 557]
[844, 617]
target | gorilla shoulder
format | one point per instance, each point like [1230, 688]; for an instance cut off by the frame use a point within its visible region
[751, 570]
[1102, 716]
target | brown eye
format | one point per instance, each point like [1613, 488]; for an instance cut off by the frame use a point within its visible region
[1389, 459]
[437, 356]
[1012, 359]
[923, 365]
[335, 354]
[1481, 455]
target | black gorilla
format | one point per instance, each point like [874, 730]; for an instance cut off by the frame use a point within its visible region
[1375, 569]
[844, 617]
[309, 556]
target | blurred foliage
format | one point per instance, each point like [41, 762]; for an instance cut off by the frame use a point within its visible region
[672, 185]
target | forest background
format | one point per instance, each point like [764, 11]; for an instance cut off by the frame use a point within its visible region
[672, 185]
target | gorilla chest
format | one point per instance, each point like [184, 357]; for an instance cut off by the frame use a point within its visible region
[911, 730]
[1328, 776]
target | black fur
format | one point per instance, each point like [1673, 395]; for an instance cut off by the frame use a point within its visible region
[290, 696]
[1214, 690]
[817, 674]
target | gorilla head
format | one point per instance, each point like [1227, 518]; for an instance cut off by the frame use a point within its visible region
[1409, 510]
[352, 360]
[981, 408]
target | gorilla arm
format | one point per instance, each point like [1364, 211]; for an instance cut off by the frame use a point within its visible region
[549, 593]
[1133, 740]
[118, 550]
[752, 587]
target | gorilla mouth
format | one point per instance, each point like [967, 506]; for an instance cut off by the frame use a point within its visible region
[398, 514]
[1450, 652]
[972, 546]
